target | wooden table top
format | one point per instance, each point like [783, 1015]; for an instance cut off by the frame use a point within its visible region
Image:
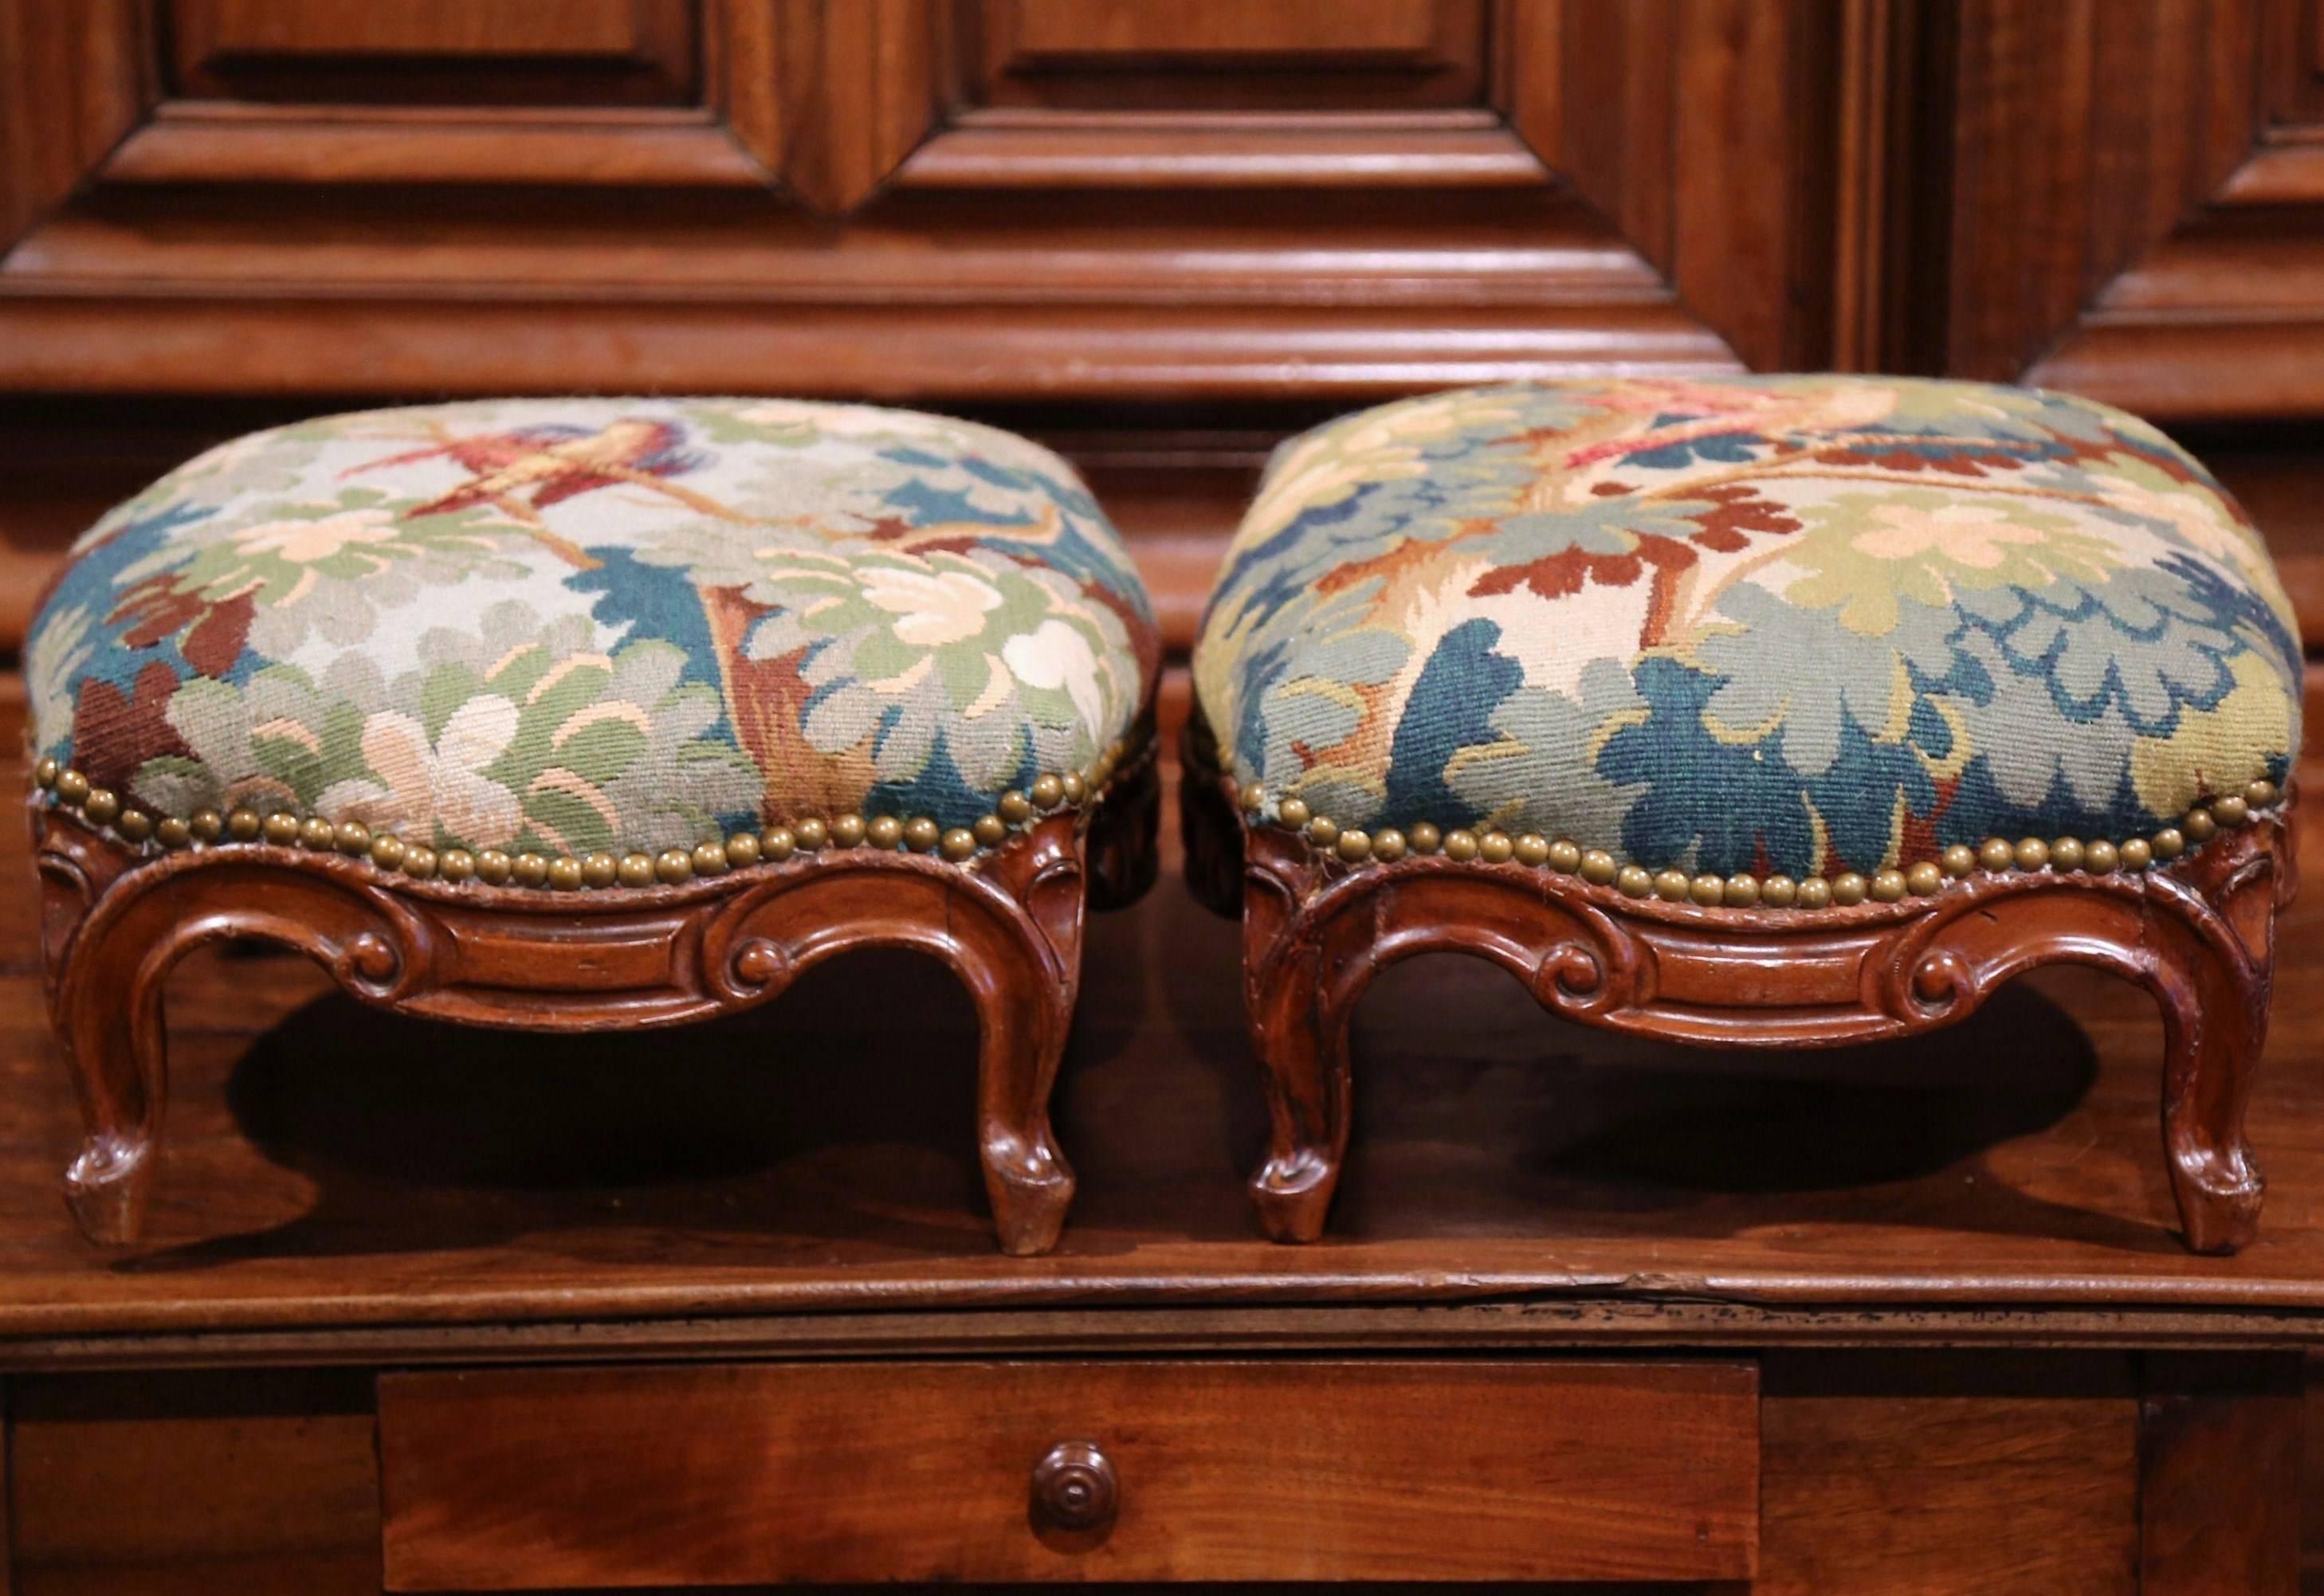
[342, 1184]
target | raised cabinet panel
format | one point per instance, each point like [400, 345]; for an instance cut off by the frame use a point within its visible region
[1280, 204]
[208, 28]
[334, 94]
[436, 52]
[2296, 82]
[2135, 203]
[1219, 54]
[72, 85]
[1298, 30]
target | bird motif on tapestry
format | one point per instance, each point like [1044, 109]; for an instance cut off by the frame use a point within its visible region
[522, 472]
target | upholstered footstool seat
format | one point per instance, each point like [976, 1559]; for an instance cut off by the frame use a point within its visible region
[1765, 712]
[572, 715]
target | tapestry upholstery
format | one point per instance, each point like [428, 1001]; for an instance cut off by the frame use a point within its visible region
[1795, 624]
[568, 625]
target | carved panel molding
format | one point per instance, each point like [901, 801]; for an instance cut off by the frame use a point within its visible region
[2136, 203]
[993, 199]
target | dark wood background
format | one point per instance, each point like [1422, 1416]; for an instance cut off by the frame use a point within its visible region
[1158, 235]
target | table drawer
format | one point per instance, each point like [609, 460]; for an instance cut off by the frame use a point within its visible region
[999, 1473]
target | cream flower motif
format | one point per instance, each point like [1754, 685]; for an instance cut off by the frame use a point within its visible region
[303, 542]
[1056, 655]
[933, 607]
[1972, 535]
[434, 787]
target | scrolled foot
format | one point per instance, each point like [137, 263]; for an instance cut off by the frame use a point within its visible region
[106, 1188]
[2219, 1196]
[1293, 1193]
[1031, 1187]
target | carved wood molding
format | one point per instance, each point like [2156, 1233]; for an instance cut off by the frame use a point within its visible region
[532, 959]
[2197, 936]
[2095, 197]
[74, 82]
[819, 98]
[1761, 978]
[1577, 182]
[2128, 189]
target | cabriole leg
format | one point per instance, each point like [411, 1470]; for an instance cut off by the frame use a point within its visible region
[1025, 1012]
[1026, 1175]
[107, 1007]
[2214, 1023]
[1299, 1030]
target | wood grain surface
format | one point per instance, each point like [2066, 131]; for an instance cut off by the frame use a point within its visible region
[1950, 1474]
[159, 1484]
[981, 201]
[1384, 1468]
[2206, 1425]
[1934, 1472]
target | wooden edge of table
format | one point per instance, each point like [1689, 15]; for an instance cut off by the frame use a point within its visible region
[1580, 1323]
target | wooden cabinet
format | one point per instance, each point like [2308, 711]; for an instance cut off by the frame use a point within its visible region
[1070, 1470]
[1960, 1473]
[1159, 235]
[2137, 203]
[950, 199]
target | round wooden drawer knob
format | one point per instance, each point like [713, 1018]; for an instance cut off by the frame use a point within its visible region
[1074, 1486]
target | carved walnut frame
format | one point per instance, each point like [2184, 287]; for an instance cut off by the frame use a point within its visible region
[1008, 924]
[2198, 936]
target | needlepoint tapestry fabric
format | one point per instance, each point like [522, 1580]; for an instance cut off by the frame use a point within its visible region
[576, 624]
[1798, 625]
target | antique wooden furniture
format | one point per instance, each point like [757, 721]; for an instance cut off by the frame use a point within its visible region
[575, 715]
[1763, 714]
[1901, 1320]
[1160, 247]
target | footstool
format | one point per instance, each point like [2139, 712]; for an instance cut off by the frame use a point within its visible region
[1772, 711]
[591, 713]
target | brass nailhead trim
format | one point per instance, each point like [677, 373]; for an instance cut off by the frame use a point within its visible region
[70, 789]
[1925, 878]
